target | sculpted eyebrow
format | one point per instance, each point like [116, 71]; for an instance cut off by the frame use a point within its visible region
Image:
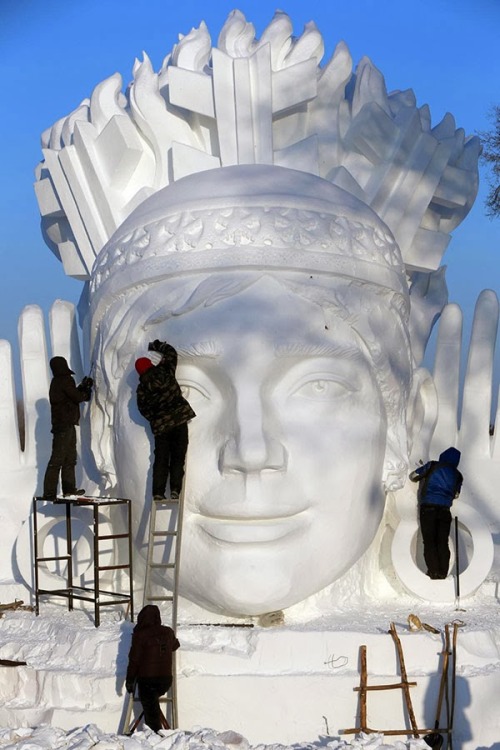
[200, 349]
[211, 350]
[305, 349]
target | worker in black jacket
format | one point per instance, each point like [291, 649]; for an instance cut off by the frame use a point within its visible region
[150, 663]
[65, 399]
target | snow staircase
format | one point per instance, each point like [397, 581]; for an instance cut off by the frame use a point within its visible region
[164, 548]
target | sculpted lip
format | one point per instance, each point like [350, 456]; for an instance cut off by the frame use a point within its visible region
[252, 530]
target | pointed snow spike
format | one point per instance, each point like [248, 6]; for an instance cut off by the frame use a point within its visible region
[458, 145]
[337, 71]
[163, 75]
[278, 16]
[151, 117]
[193, 50]
[445, 128]
[425, 117]
[278, 34]
[144, 64]
[279, 26]
[104, 101]
[45, 138]
[369, 87]
[237, 36]
[55, 142]
[165, 63]
[80, 114]
[408, 98]
[309, 45]
[139, 63]
[332, 80]
[470, 154]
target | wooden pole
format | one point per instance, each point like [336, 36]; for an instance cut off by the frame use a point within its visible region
[404, 680]
[362, 689]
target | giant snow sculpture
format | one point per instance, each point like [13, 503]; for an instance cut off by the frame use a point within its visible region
[282, 224]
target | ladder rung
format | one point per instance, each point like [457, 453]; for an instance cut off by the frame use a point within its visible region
[52, 559]
[385, 687]
[161, 699]
[112, 536]
[167, 538]
[112, 567]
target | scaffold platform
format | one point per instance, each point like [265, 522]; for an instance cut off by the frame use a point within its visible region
[96, 594]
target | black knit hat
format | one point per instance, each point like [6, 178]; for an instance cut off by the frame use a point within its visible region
[59, 366]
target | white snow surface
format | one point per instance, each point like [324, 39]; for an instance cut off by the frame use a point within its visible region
[77, 666]
[90, 736]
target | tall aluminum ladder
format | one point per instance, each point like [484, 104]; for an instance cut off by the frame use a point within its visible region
[164, 549]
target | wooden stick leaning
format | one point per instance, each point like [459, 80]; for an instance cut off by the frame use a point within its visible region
[404, 679]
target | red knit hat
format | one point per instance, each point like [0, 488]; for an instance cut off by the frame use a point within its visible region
[143, 364]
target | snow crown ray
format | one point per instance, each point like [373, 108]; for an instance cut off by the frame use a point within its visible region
[250, 101]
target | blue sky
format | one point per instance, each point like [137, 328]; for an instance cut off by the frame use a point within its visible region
[54, 52]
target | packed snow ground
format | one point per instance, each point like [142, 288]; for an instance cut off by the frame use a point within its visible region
[51, 738]
[64, 643]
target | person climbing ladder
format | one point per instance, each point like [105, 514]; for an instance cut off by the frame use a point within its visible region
[150, 663]
[160, 401]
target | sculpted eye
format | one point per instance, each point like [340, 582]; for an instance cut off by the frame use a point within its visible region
[193, 392]
[322, 389]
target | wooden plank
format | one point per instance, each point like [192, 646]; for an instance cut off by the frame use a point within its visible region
[392, 732]
[392, 686]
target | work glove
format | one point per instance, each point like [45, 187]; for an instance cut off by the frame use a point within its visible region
[153, 346]
[159, 346]
[85, 387]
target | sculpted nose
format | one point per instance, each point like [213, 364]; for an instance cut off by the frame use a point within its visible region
[240, 456]
[253, 447]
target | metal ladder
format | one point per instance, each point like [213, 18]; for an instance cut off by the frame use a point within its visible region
[164, 549]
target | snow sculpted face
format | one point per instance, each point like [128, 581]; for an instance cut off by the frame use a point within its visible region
[295, 358]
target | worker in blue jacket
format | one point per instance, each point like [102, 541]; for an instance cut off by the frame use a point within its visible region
[440, 483]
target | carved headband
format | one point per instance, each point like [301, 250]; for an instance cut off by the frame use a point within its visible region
[253, 216]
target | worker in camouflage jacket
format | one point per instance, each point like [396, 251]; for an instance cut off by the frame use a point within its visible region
[161, 402]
